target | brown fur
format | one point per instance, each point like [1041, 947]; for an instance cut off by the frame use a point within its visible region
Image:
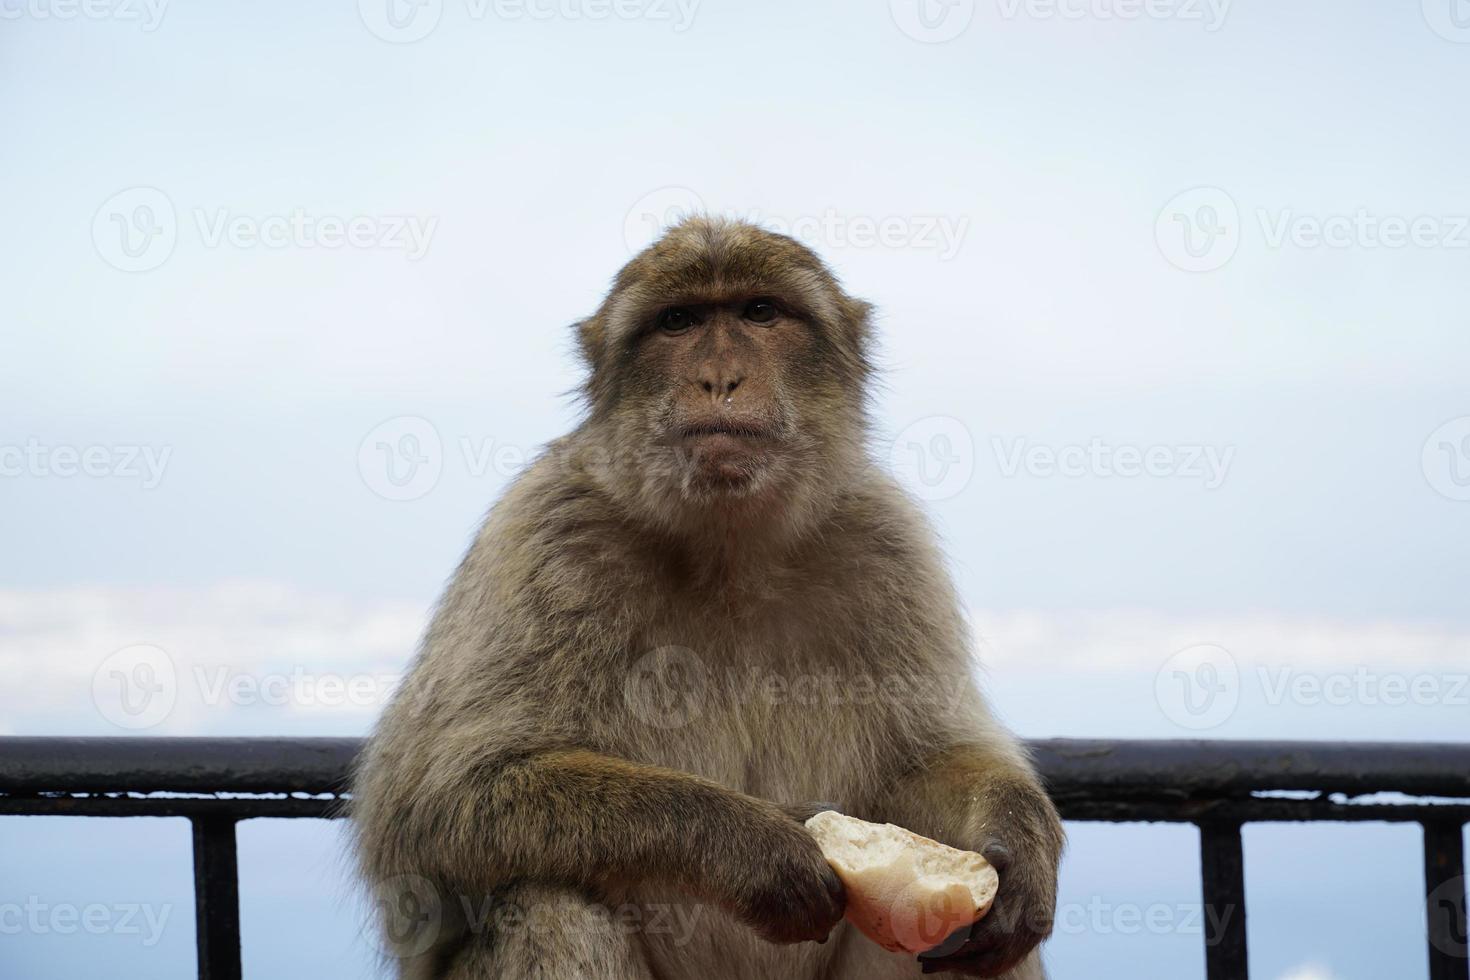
[664, 642]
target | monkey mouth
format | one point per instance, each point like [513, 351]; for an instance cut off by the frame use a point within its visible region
[724, 452]
[731, 430]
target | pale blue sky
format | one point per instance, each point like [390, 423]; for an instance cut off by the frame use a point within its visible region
[1032, 299]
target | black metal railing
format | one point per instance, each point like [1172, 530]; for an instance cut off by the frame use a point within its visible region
[1216, 785]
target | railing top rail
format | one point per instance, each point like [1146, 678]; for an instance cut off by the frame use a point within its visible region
[176, 765]
[1221, 767]
[1079, 768]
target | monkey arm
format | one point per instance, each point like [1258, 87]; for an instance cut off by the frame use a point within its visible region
[984, 796]
[584, 819]
[972, 792]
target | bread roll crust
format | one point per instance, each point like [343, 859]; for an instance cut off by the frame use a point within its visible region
[905, 892]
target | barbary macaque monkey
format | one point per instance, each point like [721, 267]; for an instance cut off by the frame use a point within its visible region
[697, 619]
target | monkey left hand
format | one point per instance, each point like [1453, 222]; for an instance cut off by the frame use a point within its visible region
[1025, 906]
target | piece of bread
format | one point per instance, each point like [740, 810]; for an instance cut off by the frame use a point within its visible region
[905, 892]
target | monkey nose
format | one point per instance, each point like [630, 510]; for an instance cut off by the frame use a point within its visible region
[721, 388]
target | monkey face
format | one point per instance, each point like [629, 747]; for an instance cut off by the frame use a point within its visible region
[723, 382]
[729, 365]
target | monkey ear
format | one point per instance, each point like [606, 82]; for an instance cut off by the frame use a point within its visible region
[589, 341]
[592, 345]
[859, 316]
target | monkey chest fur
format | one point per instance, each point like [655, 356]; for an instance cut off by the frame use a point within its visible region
[776, 703]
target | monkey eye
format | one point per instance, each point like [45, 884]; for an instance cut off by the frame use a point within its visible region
[760, 311]
[677, 320]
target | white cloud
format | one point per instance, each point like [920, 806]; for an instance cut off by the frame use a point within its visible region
[1309, 971]
[262, 658]
[245, 657]
[1120, 640]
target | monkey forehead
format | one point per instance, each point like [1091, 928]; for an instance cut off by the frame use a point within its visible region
[715, 260]
[725, 242]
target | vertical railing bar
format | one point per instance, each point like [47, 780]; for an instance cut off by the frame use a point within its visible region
[216, 898]
[1444, 902]
[1222, 881]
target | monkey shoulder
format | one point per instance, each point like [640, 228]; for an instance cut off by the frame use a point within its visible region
[876, 533]
[552, 556]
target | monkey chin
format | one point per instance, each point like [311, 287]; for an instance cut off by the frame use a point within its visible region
[752, 486]
[729, 477]
[735, 473]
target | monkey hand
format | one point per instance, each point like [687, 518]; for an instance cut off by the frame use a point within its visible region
[1022, 915]
[802, 812]
[784, 888]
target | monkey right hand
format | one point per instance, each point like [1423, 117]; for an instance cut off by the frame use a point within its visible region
[785, 890]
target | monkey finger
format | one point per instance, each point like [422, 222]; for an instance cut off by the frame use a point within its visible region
[999, 856]
[802, 812]
[976, 959]
[986, 948]
[980, 965]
